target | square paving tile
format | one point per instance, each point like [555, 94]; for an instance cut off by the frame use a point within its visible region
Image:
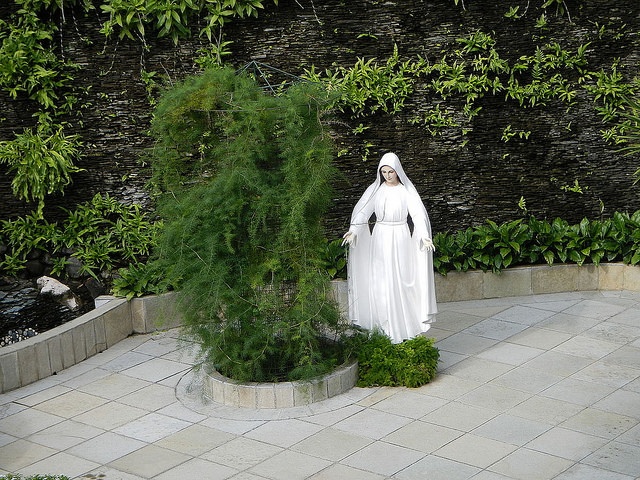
[495, 329]
[70, 404]
[568, 444]
[597, 422]
[459, 416]
[513, 430]
[71, 465]
[542, 338]
[494, 397]
[372, 423]
[559, 364]
[236, 427]
[5, 439]
[622, 402]
[448, 359]
[581, 346]
[614, 332]
[595, 309]
[125, 361]
[85, 378]
[626, 356]
[524, 315]
[510, 353]
[383, 458]
[114, 386]
[586, 472]
[608, 374]
[334, 416]
[197, 468]
[631, 436]
[106, 447]
[284, 433]
[338, 471]
[242, 453]
[331, 444]
[110, 415]
[570, 324]
[151, 398]
[149, 461]
[195, 440]
[156, 369]
[449, 387]
[546, 410]
[410, 404]
[152, 427]
[65, 434]
[475, 450]
[478, 369]
[178, 410]
[437, 468]
[423, 436]
[617, 457]
[524, 464]
[578, 391]
[290, 465]
[465, 344]
[27, 422]
[527, 379]
[21, 453]
[43, 395]
[157, 346]
[456, 321]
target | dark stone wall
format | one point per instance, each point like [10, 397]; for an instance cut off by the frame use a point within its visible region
[461, 185]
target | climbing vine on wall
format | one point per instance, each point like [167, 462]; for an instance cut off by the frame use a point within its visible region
[458, 80]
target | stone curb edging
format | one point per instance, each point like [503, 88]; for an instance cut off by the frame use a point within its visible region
[225, 391]
[62, 347]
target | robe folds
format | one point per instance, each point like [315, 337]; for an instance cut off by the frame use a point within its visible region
[390, 278]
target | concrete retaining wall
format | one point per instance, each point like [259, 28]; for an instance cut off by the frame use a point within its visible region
[52, 351]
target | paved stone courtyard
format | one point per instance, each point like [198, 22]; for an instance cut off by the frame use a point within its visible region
[537, 387]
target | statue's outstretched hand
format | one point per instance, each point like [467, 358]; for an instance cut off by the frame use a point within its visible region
[348, 238]
[426, 244]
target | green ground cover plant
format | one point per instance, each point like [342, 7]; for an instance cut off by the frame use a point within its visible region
[103, 234]
[412, 363]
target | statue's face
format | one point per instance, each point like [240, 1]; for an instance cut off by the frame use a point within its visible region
[390, 176]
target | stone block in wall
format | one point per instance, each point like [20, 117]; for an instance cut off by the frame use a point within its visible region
[265, 396]
[284, 395]
[66, 345]
[116, 316]
[9, 372]
[611, 276]
[54, 346]
[553, 279]
[509, 283]
[631, 279]
[89, 333]
[457, 286]
[27, 365]
[155, 312]
[79, 343]
[43, 362]
[588, 276]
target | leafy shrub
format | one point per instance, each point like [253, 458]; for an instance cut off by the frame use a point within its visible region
[41, 162]
[246, 178]
[411, 363]
[494, 247]
[103, 234]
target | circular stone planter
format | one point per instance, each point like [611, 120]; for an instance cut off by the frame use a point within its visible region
[226, 391]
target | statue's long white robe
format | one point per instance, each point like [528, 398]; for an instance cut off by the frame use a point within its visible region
[391, 284]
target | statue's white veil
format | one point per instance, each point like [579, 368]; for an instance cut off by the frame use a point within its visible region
[389, 160]
[359, 259]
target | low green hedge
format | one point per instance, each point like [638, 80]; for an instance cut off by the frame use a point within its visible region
[532, 241]
[492, 247]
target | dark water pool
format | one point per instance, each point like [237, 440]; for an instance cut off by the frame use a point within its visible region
[24, 313]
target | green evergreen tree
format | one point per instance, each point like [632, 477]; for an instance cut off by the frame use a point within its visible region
[245, 180]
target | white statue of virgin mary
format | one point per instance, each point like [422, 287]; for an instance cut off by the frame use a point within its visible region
[390, 270]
